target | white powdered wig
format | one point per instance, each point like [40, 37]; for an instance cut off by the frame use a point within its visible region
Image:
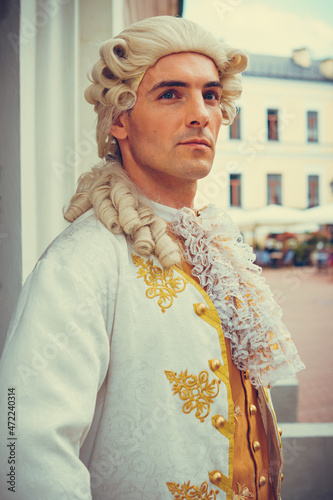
[115, 79]
[125, 58]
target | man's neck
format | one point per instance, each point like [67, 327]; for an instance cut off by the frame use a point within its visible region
[164, 189]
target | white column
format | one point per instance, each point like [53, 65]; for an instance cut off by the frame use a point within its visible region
[28, 116]
[48, 88]
[60, 41]
[95, 25]
[10, 216]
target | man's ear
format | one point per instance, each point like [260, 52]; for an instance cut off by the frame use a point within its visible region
[119, 128]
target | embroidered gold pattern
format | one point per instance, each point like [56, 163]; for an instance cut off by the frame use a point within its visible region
[242, 493]
[197, 392]
[161, 282]
[192, 492]
[237, 412]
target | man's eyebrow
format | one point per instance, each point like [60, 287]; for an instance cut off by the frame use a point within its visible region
[178, 83]
[168, 83]
[214, 83]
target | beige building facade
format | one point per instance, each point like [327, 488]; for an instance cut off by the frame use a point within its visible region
[280, 148]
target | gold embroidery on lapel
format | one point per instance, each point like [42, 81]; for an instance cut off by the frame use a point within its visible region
[242, 494]
[192, 492]
[237, 412]
[197, 392]
[160, 282]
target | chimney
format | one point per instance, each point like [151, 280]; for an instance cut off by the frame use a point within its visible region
[326, 68]
[301, 57]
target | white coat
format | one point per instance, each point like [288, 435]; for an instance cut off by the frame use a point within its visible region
[116, 372]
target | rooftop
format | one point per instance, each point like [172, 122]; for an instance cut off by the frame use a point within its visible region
[284, 67]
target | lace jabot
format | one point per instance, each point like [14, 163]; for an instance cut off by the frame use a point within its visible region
[249, 315]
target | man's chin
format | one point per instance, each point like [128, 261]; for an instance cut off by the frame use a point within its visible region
[198, 172]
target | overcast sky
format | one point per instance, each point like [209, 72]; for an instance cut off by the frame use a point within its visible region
[273, 27]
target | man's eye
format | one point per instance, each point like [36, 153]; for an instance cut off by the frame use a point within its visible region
[169, 94]
[212, 96]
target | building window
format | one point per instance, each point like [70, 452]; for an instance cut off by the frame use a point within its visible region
[235, 190]
[312, 126]
[274, 189]
[313, 190]
[234, 129]
[272, 125]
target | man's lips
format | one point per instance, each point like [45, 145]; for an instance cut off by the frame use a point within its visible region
[199, 143]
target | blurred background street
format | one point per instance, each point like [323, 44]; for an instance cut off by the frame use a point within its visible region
[306, 297]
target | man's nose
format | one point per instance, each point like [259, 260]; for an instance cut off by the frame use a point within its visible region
[197, 113]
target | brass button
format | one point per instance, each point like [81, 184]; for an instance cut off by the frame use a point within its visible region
[256, 445]
[215, 477]
[214, 364]
[281, 477]
[262, 481]
[253, 409]
[200, 309]
[280, 431]
[247, 374]
[218, 421]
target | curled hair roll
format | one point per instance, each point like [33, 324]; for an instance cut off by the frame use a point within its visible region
[122, 208]
[165, 255]
[80, 203]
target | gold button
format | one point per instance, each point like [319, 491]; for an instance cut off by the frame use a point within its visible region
[262, 481]
[214, 364]
[256, 445]
[281, 477]
[215, 477]
[253, 409]
[280, 431]
[247, 374]
[200, 309]
[218, 421]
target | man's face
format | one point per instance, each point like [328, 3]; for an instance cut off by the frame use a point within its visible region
[172, 129]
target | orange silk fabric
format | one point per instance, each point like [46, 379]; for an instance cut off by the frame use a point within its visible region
[249, 465]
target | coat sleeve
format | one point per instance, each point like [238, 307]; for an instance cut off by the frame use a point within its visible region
[55, 360]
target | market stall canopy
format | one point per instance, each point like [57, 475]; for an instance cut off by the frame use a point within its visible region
[239, 216]
[323, 214]
[270, 215]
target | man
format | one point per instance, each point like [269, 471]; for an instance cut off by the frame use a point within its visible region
[144, 339]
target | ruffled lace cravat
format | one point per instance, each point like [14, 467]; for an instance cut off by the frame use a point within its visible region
[249, 315]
